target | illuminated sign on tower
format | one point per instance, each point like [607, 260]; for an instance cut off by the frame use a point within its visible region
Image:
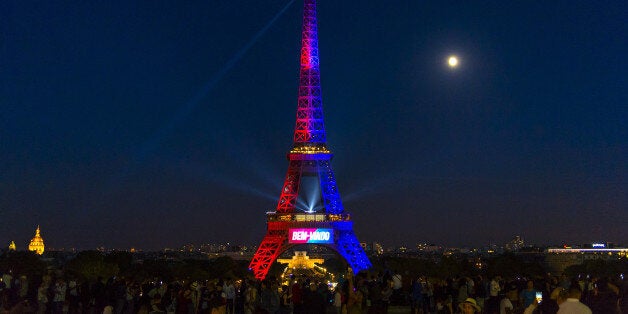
[311, 235]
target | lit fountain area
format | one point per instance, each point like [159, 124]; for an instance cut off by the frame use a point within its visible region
[302, 266]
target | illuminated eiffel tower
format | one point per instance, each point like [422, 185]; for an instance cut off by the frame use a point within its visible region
[309, 208]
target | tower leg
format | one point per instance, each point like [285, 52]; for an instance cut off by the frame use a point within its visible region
[266, 254]
[349, 247]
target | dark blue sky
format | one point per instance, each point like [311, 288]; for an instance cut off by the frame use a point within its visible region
[104, 139]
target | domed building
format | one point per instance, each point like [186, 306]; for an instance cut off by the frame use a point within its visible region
[12, 246]
[37, 243]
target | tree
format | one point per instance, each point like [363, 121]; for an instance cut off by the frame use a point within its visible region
[91, 265]
[599, 268]
[122, 259]
[506, 265]
[151, 269]
[221, 267]
[193, 270]
[22, 263]
[336, 265]
[449, 266]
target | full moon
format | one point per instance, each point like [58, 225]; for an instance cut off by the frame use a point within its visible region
[453, 61]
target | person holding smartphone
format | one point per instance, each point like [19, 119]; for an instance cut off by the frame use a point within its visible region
[547, 304]
[534, 305]
[528, 295]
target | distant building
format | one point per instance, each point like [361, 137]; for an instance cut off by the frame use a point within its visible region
[558, 259]
[188, 248]
[515, 244]
[37, 243]
[378, 248]
[428, 248]
[12, 246]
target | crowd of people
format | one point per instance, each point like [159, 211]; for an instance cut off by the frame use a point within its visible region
[519, 295]
[364, 293]
[57, 295]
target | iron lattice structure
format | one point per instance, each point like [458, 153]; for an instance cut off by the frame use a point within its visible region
[309, 158]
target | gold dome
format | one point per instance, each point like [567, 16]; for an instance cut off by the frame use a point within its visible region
[37, 243]
[12, 246]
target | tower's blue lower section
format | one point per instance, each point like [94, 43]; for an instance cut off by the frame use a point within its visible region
[349, 247]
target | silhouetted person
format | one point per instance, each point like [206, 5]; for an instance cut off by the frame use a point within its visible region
[573, 305]
[313, 301]
[603, 299]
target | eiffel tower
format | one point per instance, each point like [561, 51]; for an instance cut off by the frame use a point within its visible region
[309, 208]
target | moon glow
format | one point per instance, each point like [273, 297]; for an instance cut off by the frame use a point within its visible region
[452, 61]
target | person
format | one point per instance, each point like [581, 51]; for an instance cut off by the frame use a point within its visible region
[156, 306]
[528, 295]
[480, 290]
[297, 296]
[492, 305]
[494, 287]
[338, 300]
[605, 297]
[119, 295]
[98, 295]
[550, 306]
[59, 295]
[623, 296]
[251, 298]
[573, 305]
[505, 304]
[285, 302]
[217, 301]
[23, 287]
[386, 292]
[7, 278]
[354, 296]
[564, 282]
[269, 296]
[73, 297]
[313, 301]
[206, 295]
[463, 290]
[184, 300]
[42, 297]
[230, 291]
[195, 294]
[397, 284]
[469, 306]
[416, 296]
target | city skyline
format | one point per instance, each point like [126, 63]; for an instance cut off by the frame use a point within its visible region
[514, 244]
[153, 125]
[515, 240]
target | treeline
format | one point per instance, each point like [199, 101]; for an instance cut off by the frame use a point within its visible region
[507, 265]
[90, 265]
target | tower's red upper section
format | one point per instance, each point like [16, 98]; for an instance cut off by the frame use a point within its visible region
[310, 128]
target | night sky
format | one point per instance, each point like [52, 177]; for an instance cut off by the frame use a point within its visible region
[163, 123]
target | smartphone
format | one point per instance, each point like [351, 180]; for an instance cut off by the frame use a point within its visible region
[539, 297]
